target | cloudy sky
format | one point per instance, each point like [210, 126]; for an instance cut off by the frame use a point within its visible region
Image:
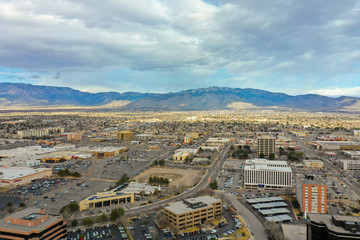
[288, 46]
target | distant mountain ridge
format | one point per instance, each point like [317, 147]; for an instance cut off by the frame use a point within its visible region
[212, 98]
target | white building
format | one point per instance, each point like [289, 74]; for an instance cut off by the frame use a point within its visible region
[267, 174]
[141, 188]
[349, 164]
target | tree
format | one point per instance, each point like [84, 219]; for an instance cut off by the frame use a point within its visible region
[9, 206]
[262, 155]
[214, 185]
[87, 222]
[74, 223]
[70, 208]
[124, 179]
[22, 204]
[116, 213]
[271, 156]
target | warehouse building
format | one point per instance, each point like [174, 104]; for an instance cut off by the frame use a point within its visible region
[262, 173]
[108, 152]
[106, 199]
[12, 177]
[193, 212]
[33, 223]
[350, 164]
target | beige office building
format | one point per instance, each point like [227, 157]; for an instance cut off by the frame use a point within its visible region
[106, 199]
[266, 145]
[193, 212]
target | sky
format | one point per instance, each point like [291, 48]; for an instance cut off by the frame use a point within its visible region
[290, 46]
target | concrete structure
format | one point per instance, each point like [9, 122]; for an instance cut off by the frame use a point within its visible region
[141, 188]
[188, 140]
[34, 224]
[125, 135]
[313, 163]
[107, 152]
[331, 227]
[353, 165]
[105, 199]
[337, 145]
[12, 177]
[193, 212]
[266, 145]
[267, 174]
[311, 193]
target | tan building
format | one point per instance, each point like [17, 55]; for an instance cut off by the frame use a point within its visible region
[105, 199]
[34, 224]
[125, 135]
[313, 163]
[193, 212]
[12, 177]
[74, 137]
[181, 156]
[108, 152]
[266, 145]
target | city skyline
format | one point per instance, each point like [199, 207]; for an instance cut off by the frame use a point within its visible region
[291, 47]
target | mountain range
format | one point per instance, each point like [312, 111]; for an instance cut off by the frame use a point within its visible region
[212, 98]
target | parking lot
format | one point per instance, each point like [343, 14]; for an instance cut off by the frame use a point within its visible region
[110, 232]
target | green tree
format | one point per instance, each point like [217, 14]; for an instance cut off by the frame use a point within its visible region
[87, 222]
[116, 213]
[74, 223]
[262, 155]
[271, 156]
[22, 204]
[214, 185]
[124, 179]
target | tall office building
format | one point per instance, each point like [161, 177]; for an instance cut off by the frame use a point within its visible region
[266, 145]
[32, 223]
[311, 193]
[267, 174]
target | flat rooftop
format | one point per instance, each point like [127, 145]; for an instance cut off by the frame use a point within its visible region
[180, 207]
[311, 180]
[25, 213]
[327, 219]
[17, 172]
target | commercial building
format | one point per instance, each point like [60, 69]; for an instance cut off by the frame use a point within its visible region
[181, 154]
[313, 163]
[331, 227]
[39, 132]
[350, 164]
[34, 224]
[311, 193]
[12, 177]
[144, 137]
[262, 173]
[74, 137]
[188, 140]
[141, 188]
[266, 145]
[193, 212]
[105, 199]
[107, 152]
[125, 135]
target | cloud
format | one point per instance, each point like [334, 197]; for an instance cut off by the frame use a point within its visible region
[175, 43]
[336, 92]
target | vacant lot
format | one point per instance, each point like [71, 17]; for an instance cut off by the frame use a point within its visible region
[182, 177]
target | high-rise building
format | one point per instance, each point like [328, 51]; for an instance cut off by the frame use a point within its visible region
[311, 193]
[32, 223]
[193, 212]
[266, 145]
[267, 174]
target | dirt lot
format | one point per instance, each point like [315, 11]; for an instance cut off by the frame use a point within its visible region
[183, 177]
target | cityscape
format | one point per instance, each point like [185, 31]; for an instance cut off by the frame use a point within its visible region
[179, 120]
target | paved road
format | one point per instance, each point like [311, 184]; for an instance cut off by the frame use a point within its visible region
[211, 175]
[254, 224]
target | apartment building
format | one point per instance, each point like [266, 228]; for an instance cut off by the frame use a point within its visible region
[262, 173]
[311, 193]
[32, 223]
[266, 145]
[193, 211]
